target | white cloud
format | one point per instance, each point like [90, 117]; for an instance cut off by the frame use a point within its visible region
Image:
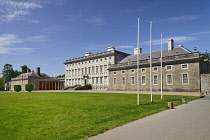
[95, 20]
[179, 18]
[124, 47]
[142, 8]
[13, 10]
[177, 39]
[9, 40]
[201, 33]
[38, 38]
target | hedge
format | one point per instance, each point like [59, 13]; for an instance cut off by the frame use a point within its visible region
[17, 88]
[29, 87]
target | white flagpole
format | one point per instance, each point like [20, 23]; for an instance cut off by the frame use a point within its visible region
[138, 47]
[151, 61]
[161, 66]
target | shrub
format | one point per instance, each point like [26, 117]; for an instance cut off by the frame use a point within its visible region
[29, 87]
[86, 87]
[17, 88]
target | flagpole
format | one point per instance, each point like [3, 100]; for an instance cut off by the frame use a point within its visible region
[138, 47]
[161, 66]
[151, 61]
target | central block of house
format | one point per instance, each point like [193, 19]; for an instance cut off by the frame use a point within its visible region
[92, 69]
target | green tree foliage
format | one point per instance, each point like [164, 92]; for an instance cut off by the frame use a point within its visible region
[60, 76]
[29, 87]
[2, 82]
[206, 55]
[7, 72]
[24, 68]
[17, 88]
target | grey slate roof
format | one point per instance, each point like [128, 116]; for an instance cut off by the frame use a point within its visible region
[32, 75]
[156, 54]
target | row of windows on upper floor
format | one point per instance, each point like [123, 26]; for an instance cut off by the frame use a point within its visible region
[90, 70]
[155, 69]
[90, 61]
[169, 80]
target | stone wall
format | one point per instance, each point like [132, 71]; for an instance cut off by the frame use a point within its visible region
[176, 71]
[205, 82]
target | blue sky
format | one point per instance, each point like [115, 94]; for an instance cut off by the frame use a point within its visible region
[45, 33]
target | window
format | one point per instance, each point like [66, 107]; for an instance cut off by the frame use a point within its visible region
[123, 80]
[97, 80]
[97, 70]
[85, 70]
[101, 69]
[92, 70]
[184, 66]
[101, 80]
[89, 71]
[105, 58]
[132, 71]
[185, 79]
[114, 73]
[93, 80]
[155, 80]
[169, 79]
[143, 80]
[114, 81]
[143, 70]
[155, 69]
[132, 80]
[168, 68]
[75, 72]
[105, 68]
[101, 59]
[123, 72]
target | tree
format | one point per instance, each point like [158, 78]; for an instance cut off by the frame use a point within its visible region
[7, 72]
[60, 76]
[2, 82]
[24, 68]
[206, 55]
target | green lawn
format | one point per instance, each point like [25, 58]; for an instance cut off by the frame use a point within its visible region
[51, 116]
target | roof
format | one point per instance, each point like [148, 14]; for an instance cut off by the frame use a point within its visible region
[156, 54]
[32, 75]
[93, 56]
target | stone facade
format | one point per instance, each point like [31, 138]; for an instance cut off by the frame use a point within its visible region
[205, 83]
[181, 71]
[92, 69]
[40, 81]
[185, 76]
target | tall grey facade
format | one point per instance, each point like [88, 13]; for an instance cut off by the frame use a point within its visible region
[92, 69]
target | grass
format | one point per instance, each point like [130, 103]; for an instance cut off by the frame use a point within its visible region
[72, 116]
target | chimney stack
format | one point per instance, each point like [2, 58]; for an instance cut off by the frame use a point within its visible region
[136, 51]
[112, 48]
[170, 44]
[28, 70]
[38, 70]
[88, 53]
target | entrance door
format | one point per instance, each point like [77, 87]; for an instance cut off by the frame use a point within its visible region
[85, 81]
